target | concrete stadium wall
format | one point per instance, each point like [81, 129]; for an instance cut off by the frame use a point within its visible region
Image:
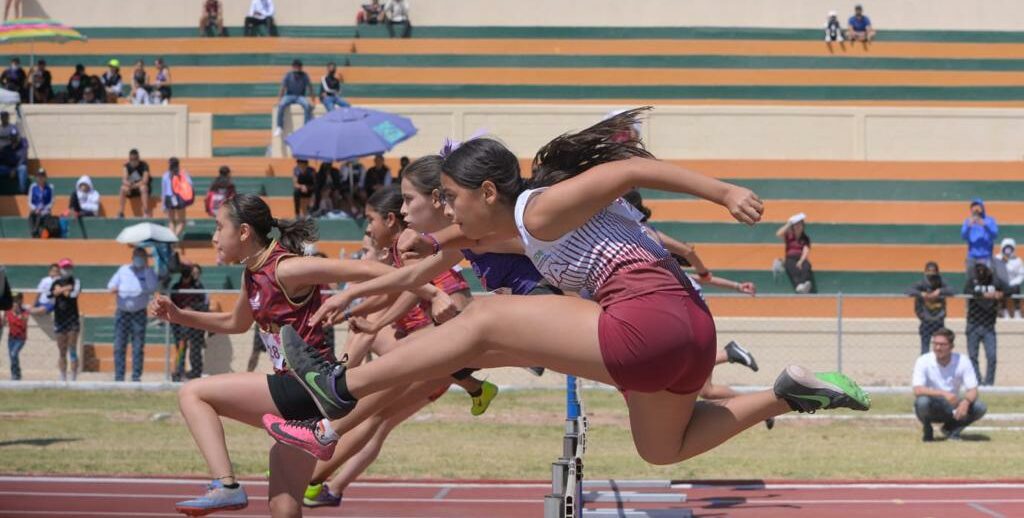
[735, 132]
[104, 131]
[994, 15]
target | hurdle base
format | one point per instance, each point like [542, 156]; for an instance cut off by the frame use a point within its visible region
[637, 513]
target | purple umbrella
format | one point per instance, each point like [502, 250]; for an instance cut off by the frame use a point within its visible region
[348, 133]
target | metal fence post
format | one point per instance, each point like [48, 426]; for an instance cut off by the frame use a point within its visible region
[839, 331]
[167, 350]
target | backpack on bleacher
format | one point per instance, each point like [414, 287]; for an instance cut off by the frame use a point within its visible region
[51, 228]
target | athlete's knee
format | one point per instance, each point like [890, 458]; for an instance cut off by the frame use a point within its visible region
[659, 455]
[285, 506]
[189, 393]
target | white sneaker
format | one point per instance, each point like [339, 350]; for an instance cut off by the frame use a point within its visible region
[1016, 315]
[1005, 314]
[804, 287]
[277, 132]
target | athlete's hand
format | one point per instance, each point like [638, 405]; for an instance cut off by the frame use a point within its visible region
[744, 205]
[414, 246]
[330, 309]
[161, 307]
[747, 287]
[442, 308]
[362, 325]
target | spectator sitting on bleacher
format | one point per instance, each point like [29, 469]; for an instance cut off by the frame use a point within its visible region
[15, 79]
[833, 30]
[938, 378]
[211, 22]
[41, 82]
[294, 88]
[860, 28]
[44, 301]
[402, 164]
[140, 84]
[1010, 269]
[303, 184]
[113, 85]
[370, 14]
[330, 88]
[980, 232]
[89, 96]
[136, 181]
[396, 12]
[133, 284]
[162, 85]
[76, 85]
[85, 201]
[798, 251]
[40, 202]
[261, 12]
[221, 189]
[930, 303]
[178, 194]
[13, 152]
[376, 177]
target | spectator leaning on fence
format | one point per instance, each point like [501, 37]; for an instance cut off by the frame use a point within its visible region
[133, 284]
[930, 303]
[986, 292]
[980, 232]
[1010, 269]
[939, 377]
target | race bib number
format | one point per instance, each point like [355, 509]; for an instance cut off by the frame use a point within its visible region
[273, 343]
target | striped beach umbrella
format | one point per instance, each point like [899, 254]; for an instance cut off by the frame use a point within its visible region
[31, 30]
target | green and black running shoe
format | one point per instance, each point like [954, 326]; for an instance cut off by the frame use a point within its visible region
[808, 392]
[317, 375]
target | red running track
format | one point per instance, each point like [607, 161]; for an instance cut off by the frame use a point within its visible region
[139, 497]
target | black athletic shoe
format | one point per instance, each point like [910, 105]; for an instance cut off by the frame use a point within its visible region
[769, 423]
[536, 371]
[737, 354]
[809, 392]
[316, 374]
[929, 434]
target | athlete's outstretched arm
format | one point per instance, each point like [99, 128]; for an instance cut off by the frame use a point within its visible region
[569, 204]
[237, 321]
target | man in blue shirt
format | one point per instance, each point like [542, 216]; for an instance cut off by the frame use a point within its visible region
[980, 232]
[860, 26]
[294, 87]
[133, 284]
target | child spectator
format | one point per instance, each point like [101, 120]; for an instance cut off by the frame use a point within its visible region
[17, 333]
[85, 201]
[176, 189]
[40, 202]
[330, 88]
[221, 189]
[136, 181]
[66, 319]
[798, 251]
[1010, 269]
[303, 186]
[44, 300]
[187, 339]
[930, 303]
[113, 85]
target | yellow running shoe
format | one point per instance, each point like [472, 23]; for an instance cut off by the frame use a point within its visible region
[488, 391]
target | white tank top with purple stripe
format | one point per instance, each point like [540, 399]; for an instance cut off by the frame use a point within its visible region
[584, 258]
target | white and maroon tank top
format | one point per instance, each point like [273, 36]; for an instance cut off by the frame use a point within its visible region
[611, 241]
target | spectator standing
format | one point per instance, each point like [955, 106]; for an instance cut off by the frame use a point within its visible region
[77, 84]
[40, 203]
[939, 377]
[15, 79]
[295, 87]
[1010, 269]
[113, 85]
[980, 232]
[396, 12]
[303, 186]
[860, 28]
[133, 284]
[13, 155]
[798, 251]
[221, 189]
[930, 303]
[187, 339]
[162, 83]
[85, 201]
[261, 12]
[211, 22]
[136, 181]
[986, 292]
[66, 319]
[330, 88]
[41, 82]
[17, 333]
[176, 189]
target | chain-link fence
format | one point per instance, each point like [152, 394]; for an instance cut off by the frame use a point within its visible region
[874, 338]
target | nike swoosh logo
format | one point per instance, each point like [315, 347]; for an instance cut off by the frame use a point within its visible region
[824, 401]
[276, 427]
[311, 378]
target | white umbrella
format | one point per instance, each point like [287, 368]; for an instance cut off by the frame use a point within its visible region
[136, 234]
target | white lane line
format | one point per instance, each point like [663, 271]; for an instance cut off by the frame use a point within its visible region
[203, 482]
[443, 492]
[982, 509]
[532, 501]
